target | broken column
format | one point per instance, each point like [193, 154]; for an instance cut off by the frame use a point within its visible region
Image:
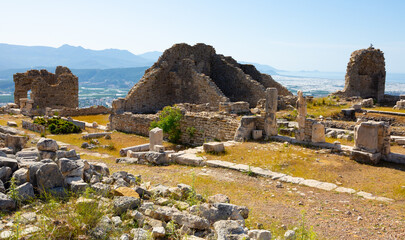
[270, 121]
[302, 113]
[372, 142]
[155, 138]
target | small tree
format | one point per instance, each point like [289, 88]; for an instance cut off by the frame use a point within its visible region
[169, 122]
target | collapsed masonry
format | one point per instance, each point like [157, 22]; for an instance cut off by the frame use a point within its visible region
[365, 75]
[309, 130]
[48, 90]
[197, 75]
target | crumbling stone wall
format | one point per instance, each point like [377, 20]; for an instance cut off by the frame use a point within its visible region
[47, 89]
[365, 75]
[93, 110]
[33, 127]
[196, 128]
[195, 74]
[132, 123]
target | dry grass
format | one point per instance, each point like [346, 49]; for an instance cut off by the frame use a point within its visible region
[101, 119]
[342, 141]
[297, 161]
[118, 140]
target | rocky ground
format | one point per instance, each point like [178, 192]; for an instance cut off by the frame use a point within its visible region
[281, 208]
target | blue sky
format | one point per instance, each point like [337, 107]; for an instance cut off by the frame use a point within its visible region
[291, 35]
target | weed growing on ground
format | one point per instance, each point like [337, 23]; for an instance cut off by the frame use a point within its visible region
[305, 232]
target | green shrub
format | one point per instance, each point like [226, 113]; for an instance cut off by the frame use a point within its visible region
[169, 122]
[57, 125]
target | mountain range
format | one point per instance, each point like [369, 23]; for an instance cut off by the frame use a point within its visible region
[95, 68]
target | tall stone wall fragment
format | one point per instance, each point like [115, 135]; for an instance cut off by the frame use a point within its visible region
[270, 121]
[302, 113]
[47, 89]
[365, 75]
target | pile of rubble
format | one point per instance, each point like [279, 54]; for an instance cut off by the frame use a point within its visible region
[47, 169]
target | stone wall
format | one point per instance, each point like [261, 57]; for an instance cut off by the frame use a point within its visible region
[196, 128]
[93, 110]
[47, 89]
[197, 75]
[33, 127]
[132, 123]
[365, 75]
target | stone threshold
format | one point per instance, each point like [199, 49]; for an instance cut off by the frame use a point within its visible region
[385, 112]
[295, 180]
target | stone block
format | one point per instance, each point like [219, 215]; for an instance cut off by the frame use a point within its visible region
[318, 132]
[372, 137]
[257, 134]
[365, 157]
[357, 107]
[155, 137]
[11, 124]
[216, 147]
[159, 148]
[246, 126]
[137, 148]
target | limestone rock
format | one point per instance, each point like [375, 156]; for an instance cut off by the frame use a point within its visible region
[6, 203]
[140, 234]
[190, 221]
[25, 192]
[218, 198]
[126, 191]
[101, 188]
[229, 229]
[5, 173]
[9, 162]
[215, 147]
[123, 203]
[47, 144]
[260, 234]
[21, 176]
[49, 176]
[71, 168]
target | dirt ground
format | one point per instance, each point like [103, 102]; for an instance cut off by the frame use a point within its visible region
[332, 215]
[278, 207]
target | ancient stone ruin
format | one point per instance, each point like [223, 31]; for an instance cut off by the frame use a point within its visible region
[309, 130]
[47, 90]
[197, 75]
[365, 75]
[401, 103]
[372, 142]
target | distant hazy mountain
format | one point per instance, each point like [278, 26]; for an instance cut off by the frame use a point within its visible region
[100, 78]
[263, 68]
[152, 56]
[16, 56]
